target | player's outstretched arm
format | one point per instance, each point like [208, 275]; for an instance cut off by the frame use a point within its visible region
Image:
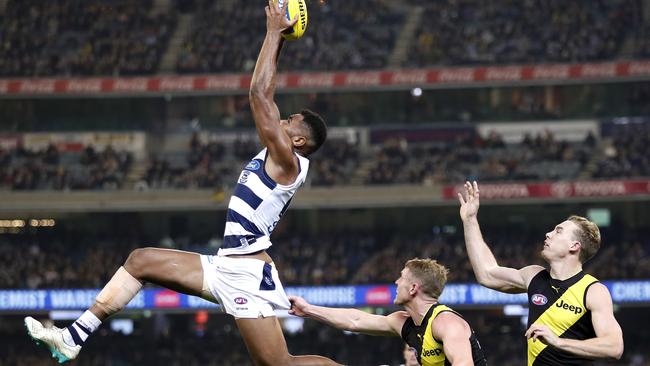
[608, 342]
[353, 320]
[455, 333]
[262, 90]
[486, 269]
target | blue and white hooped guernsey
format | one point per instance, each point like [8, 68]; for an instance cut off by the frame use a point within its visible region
[256, 206]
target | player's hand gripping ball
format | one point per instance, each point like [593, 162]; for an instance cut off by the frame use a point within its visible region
[295, 8]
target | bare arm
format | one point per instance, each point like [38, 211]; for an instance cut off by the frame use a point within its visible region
[486, 269]
[454, 332]
[262, 91]
[608, 342]
[350, 319]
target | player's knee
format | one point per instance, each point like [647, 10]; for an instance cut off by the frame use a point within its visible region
[139, 261]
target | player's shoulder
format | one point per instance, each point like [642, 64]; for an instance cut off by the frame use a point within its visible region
[530, 272]
[398, 319]
[533, 269]
[449, 322]
[598, 291]
[449, 315]
[400, 316]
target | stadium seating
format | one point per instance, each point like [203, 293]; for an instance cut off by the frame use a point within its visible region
[71, 37]
[61, 261]
[116, 37]
[216, 165]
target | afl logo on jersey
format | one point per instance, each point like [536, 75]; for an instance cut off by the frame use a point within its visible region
[241, 300]
[253, 165]
[538, 299]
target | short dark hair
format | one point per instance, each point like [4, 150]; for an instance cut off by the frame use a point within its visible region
[317, 128]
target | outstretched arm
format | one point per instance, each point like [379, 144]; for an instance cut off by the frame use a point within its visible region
[350, 319]
[262, 91]
[486, 269]
[608, 342]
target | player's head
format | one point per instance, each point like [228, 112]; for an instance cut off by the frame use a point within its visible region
[420, 277]
[576, 236]
[410, 357]
[307, 131]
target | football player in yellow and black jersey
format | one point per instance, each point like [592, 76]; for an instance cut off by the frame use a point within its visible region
[571, 319]
[438, 334]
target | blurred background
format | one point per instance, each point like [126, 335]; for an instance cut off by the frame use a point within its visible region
[126, 123]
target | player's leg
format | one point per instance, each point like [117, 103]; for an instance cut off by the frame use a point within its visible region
[266, 344]
[176, 270]
[173, 269]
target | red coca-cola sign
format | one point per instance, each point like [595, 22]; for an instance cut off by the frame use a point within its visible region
[365, 79]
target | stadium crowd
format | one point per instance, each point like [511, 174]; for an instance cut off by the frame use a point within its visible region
[71, 37]
[626, 155]
[201, 168]
[214, 44]
[510, 31]
[540, 157]
[114, 37]
[28, 261]
[50, 169]
[215, 164]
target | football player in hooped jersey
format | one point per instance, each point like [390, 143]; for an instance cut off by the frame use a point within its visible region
[242, 276]
[571, 321]
[436, 334]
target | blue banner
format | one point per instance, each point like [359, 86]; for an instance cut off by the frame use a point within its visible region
[623, 292]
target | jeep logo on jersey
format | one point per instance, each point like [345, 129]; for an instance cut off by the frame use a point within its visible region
[431, 352]
[538, 299]
[241, 300]
[575, 309]
[253, 165]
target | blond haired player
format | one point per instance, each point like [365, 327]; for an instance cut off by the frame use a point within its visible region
[438, 335]
[242, 276]
[571, 321]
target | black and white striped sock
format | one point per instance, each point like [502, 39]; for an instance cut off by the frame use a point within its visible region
[77, 333]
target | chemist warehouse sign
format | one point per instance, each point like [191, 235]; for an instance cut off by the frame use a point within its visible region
[345, 296]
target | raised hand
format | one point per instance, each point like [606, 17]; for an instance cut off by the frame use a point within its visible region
[276, 20]
[469, 203]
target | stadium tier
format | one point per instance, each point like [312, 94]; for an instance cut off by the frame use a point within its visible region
[433, 155]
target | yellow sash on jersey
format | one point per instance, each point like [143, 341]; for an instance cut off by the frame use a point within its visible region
[560, 316]
[432, 352]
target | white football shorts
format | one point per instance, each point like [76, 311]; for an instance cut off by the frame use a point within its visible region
[246, 288]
